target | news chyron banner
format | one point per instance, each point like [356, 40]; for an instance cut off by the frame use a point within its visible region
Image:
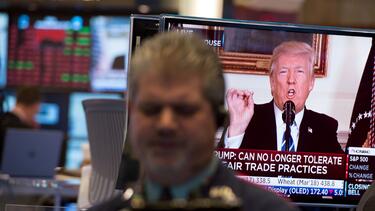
[287, 173]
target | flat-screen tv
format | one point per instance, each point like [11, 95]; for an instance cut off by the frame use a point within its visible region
[142, 27]
[3, 47]
[316, 171]
[52, 51]
[53, 112]
[110, 46]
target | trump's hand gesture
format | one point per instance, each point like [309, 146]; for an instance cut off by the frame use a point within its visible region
[241, 110]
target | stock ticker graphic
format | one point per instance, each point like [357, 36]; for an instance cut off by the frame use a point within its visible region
[49, 51]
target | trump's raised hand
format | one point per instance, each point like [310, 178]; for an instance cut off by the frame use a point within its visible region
[241, 110]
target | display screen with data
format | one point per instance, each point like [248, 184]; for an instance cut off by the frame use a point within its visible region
[51, 51]
[110, 46]
[333, 158]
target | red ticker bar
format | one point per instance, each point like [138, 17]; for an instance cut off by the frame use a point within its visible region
[275, 163]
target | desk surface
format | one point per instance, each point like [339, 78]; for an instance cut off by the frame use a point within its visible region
[12, 188]
[66, 188]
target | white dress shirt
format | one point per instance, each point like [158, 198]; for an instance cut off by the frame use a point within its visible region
[234, 142]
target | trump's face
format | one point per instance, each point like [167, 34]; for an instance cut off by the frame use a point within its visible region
[291, 79]
[172, 127]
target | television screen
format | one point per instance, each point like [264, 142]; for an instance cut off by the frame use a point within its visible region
[52, 113]
[51, 51]
[3, 47]
[110, 46]
[331, 155]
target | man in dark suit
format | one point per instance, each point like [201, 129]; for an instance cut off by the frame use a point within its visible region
[28, 100]
[317, 131]
[262, 126]
[176, 100]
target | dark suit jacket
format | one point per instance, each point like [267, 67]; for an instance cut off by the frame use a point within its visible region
[253, 198]
[367, 202]
[318, 132]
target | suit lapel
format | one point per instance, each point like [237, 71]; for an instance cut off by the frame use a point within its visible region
[270, 121]
[305, 133]
[261, 132]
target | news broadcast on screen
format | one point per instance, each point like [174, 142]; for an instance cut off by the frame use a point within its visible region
[310, 134]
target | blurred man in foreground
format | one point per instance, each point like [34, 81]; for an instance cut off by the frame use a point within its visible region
[262, 126]
[176, 105]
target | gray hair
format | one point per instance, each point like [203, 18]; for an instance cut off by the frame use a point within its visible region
[174, 54]
[293, 48]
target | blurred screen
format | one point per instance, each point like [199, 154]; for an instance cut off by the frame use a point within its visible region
[50, 51]
[110, 51]
[3, 47]
[52, 113]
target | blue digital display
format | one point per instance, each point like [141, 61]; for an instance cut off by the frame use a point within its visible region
[49, 113]
[3, 48]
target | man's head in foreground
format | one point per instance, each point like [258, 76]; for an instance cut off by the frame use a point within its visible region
[176, 93]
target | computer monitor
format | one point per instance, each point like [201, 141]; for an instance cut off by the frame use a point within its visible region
[3, 47]
[343, 59]
[37, 152]
[142, 27]
[110, 40]
[50, 50]
[53, 109]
